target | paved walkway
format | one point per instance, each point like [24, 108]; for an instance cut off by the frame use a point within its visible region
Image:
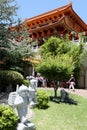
[81, 92]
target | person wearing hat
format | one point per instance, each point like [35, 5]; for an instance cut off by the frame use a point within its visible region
[72, 83]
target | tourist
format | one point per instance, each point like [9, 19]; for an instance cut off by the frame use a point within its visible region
[39, 79]
[72, 83]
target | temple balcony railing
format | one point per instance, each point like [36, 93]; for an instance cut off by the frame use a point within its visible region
[79, 41]
[82, 39]
[76, 41]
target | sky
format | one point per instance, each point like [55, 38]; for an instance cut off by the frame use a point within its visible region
[31, 8]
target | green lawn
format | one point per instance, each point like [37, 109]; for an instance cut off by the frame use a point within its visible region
[61, 116]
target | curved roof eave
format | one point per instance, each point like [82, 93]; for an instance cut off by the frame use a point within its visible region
[80, 21]
[62, 10]
[48, 13]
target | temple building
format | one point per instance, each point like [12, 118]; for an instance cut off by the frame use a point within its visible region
[58, 22]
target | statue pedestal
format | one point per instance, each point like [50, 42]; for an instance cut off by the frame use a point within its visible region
[26, 126]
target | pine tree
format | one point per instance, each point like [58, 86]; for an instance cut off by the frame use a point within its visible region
[8, 10]
[7, 13]
[14, 44]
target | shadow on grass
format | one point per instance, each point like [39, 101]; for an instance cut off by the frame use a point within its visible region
[42, 106]
[58, 99]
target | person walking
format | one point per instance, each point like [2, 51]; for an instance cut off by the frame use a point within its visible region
[72, 83]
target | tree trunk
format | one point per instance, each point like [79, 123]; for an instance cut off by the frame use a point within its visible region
[55, 88]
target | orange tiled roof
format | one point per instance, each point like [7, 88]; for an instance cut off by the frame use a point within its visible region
[65, 13]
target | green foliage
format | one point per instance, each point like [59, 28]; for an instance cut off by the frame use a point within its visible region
[60, 58]
[62, 116]
[84, 56]
[76, 51]
[8, 10]
[8, 118]
[56, 68]
[8, 77]
[14, 77]
[26, 82]
[14, 44]
[42, 99]
[16, 53]
[54, 46]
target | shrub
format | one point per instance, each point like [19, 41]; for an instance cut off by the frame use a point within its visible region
[8, 118]
[8, 77]
[14, 77]
[42, 99]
